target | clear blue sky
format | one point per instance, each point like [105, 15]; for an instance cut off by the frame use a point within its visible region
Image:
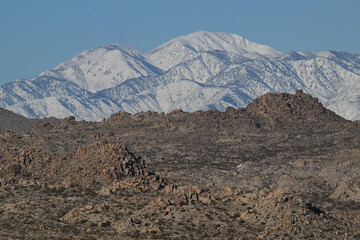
[36, 35]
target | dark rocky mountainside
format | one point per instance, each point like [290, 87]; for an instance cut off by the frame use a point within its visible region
[14, 122]
[284, 167]
[18, 123]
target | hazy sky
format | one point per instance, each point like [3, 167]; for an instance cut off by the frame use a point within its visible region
[36, 35]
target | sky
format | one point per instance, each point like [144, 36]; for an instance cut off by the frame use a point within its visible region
[38, 35]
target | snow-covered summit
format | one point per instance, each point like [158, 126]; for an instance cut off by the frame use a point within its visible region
[187, 47]
[202, 70]
[104, 67]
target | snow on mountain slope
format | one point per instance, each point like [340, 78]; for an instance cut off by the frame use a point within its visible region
[103, 67]
[38, 88]
[187, 47]
[245, 78]
[198, 71]
[248, 78]
[346, 101]
[188, 96]
[66, 106]
[167, 96]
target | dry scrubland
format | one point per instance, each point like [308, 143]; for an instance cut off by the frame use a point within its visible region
[282, 168]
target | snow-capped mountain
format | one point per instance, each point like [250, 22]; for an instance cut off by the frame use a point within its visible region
[187, 47]
[202, 70]
[104, 67]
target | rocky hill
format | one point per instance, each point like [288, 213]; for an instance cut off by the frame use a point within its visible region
[287, 107]
[284, 167]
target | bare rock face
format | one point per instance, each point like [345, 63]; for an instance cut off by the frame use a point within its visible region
[291, 108]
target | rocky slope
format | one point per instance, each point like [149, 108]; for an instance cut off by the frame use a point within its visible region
[284, 167]
[199, 71]
[96, 166]
[14, 122]
[18, 123]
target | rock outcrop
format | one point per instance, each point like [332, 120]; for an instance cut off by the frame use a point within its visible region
[97, 166]
[298, 107]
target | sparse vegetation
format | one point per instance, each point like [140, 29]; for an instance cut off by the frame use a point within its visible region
[241, 173]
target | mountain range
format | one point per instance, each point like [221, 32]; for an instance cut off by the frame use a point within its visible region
[199, 71]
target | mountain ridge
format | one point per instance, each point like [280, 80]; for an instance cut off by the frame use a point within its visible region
[198, 71]
[206, 41]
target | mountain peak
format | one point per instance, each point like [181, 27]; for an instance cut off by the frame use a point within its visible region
[202, 70]
[191, 45]
[206, 41]
[121, 47]
[114, 64]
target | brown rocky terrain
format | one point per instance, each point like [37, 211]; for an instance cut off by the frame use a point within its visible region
[298, 107]
[282, 168]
